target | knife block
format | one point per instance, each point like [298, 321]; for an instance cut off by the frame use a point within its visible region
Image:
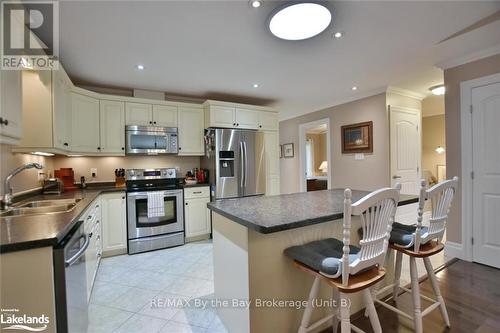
[119, 181]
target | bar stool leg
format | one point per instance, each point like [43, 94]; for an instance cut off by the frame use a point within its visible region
[435, 287]
[372, 312]
[336, 310]
[415, 292]
[397, 275]
[345, 315]
[306, 317]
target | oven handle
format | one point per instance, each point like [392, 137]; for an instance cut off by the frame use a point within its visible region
[145, 194]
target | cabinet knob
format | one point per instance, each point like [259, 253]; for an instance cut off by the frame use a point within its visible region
[234, 124]
[98, 148]
[180, 148]
[260, 126]
[123, 148]
[150, 123]
[186, 203]
[154, 122]
[237, 124]
[123, 198]
[4, 121]
[66, 144]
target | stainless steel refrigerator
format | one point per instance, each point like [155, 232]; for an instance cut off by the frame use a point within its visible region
[235, 160]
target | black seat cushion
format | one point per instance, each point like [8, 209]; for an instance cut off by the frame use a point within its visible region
[403, 234]
[323, 255]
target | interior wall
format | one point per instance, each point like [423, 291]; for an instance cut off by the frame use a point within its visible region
[433, 106]
[367, 174]
[26, 180]
[319, 148]
[452, 79]
[106, 165]
[433, 135]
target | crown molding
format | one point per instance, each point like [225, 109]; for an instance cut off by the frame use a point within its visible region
[450, 63]
[405, 92]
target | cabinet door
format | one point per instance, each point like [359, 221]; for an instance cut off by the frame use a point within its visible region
[268, 121]
[197, 217]
[11, 103]
[112, 126]
[85, 124]
[190, 131]
[272, 163]
[247, 119]
[138, 114]
[222, 116]
[165, 115]
[114, 222]
[61, 109]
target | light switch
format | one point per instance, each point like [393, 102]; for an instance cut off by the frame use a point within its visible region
[93, 172]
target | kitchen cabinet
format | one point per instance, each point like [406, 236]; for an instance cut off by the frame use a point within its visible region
[92, 228]
[138, 114]
[246, 118]
[242, 116]
[271, 152]
[10, 106]
[114, 223]
[112, 126]
[165, 115]
[219, 116]
[268, 121]
[61, 108]
[85, 124]
[196, 213]
[190, 131]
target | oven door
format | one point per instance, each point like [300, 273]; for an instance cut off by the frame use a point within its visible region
[139, 225]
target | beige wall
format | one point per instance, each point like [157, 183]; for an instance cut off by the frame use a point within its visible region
[319, 147]
[433, 135]
[106, 165]
[433, 106]
[370, 173]
[452, 79]
[26, 180]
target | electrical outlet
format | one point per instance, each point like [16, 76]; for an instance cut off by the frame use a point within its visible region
[93, 172]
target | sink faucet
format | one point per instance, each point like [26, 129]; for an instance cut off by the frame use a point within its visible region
[7, 198]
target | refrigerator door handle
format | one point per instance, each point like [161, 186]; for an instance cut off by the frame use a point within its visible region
[242, 165]
[246, 162]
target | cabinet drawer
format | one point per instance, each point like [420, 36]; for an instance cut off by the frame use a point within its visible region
[196, 192]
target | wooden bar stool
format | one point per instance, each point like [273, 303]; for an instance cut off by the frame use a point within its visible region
[421, 242]
[346, 268]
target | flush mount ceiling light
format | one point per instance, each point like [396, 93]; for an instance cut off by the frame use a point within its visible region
[354, 88]
[298, 21]
[140, 67]
[255, 85]
[255, 3]
[438, 90]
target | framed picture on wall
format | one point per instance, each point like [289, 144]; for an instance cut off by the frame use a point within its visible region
[357, 138]
[288, 150]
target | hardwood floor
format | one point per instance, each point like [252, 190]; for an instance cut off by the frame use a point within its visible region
[472, 295]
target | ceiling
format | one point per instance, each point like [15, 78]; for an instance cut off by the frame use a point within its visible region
[219, 49]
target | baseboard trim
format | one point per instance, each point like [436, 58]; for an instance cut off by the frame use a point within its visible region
[453, 250]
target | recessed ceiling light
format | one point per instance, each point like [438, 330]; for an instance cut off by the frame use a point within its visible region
[255, 85]
[255, 3]
[354, 88]
[438, 90]
[338, 34]
[140, 67]
[298, 21]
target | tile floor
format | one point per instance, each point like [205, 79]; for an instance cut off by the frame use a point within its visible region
[132, 293]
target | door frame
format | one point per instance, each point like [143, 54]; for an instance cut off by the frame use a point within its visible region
[302, 149]
[392, 108]
[466, 159]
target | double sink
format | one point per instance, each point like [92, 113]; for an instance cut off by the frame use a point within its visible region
[41, 207]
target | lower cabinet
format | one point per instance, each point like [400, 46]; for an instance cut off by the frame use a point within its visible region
[92, 227]
[196, 214]
[114, 223]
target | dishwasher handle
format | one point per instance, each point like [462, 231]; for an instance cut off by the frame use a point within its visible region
[80, 252]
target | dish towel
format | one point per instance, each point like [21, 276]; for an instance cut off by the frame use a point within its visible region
[156, 207]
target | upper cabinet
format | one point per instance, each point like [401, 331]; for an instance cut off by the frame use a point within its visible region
[190, 131]
[165, 115]
[233, 115]
[112, 127]
[10, 106]
[61, 103]
[85, 124]
[138, 114]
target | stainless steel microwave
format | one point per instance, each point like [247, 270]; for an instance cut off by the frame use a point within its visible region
[151, 140]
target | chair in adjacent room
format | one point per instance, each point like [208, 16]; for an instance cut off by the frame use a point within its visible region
[419, 241]
[347, 268]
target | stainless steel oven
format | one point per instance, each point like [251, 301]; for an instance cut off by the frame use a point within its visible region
[151, 140]
[145, 232]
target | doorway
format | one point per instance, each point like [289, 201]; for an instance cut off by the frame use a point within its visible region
[480, 116]
[315, 159]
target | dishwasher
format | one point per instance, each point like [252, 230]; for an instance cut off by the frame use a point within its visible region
[70, 281]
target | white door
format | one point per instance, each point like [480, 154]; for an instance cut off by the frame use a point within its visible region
[11, 103]
[197, 217]
[85, 124]
[165, 115]
[191, 131]
[138, 114]
[114, 222]
[112, 126]
[247, 119]
[406, 140]
[486, 166]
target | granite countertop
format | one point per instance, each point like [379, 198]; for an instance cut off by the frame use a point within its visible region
[268, 214]
[33, 231]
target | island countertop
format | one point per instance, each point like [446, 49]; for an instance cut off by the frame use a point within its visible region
[268, 214]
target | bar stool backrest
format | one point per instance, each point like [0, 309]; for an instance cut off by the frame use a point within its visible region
[441, 196]
[376, 211]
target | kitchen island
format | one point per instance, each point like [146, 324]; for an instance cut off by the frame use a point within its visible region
[249, 237]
